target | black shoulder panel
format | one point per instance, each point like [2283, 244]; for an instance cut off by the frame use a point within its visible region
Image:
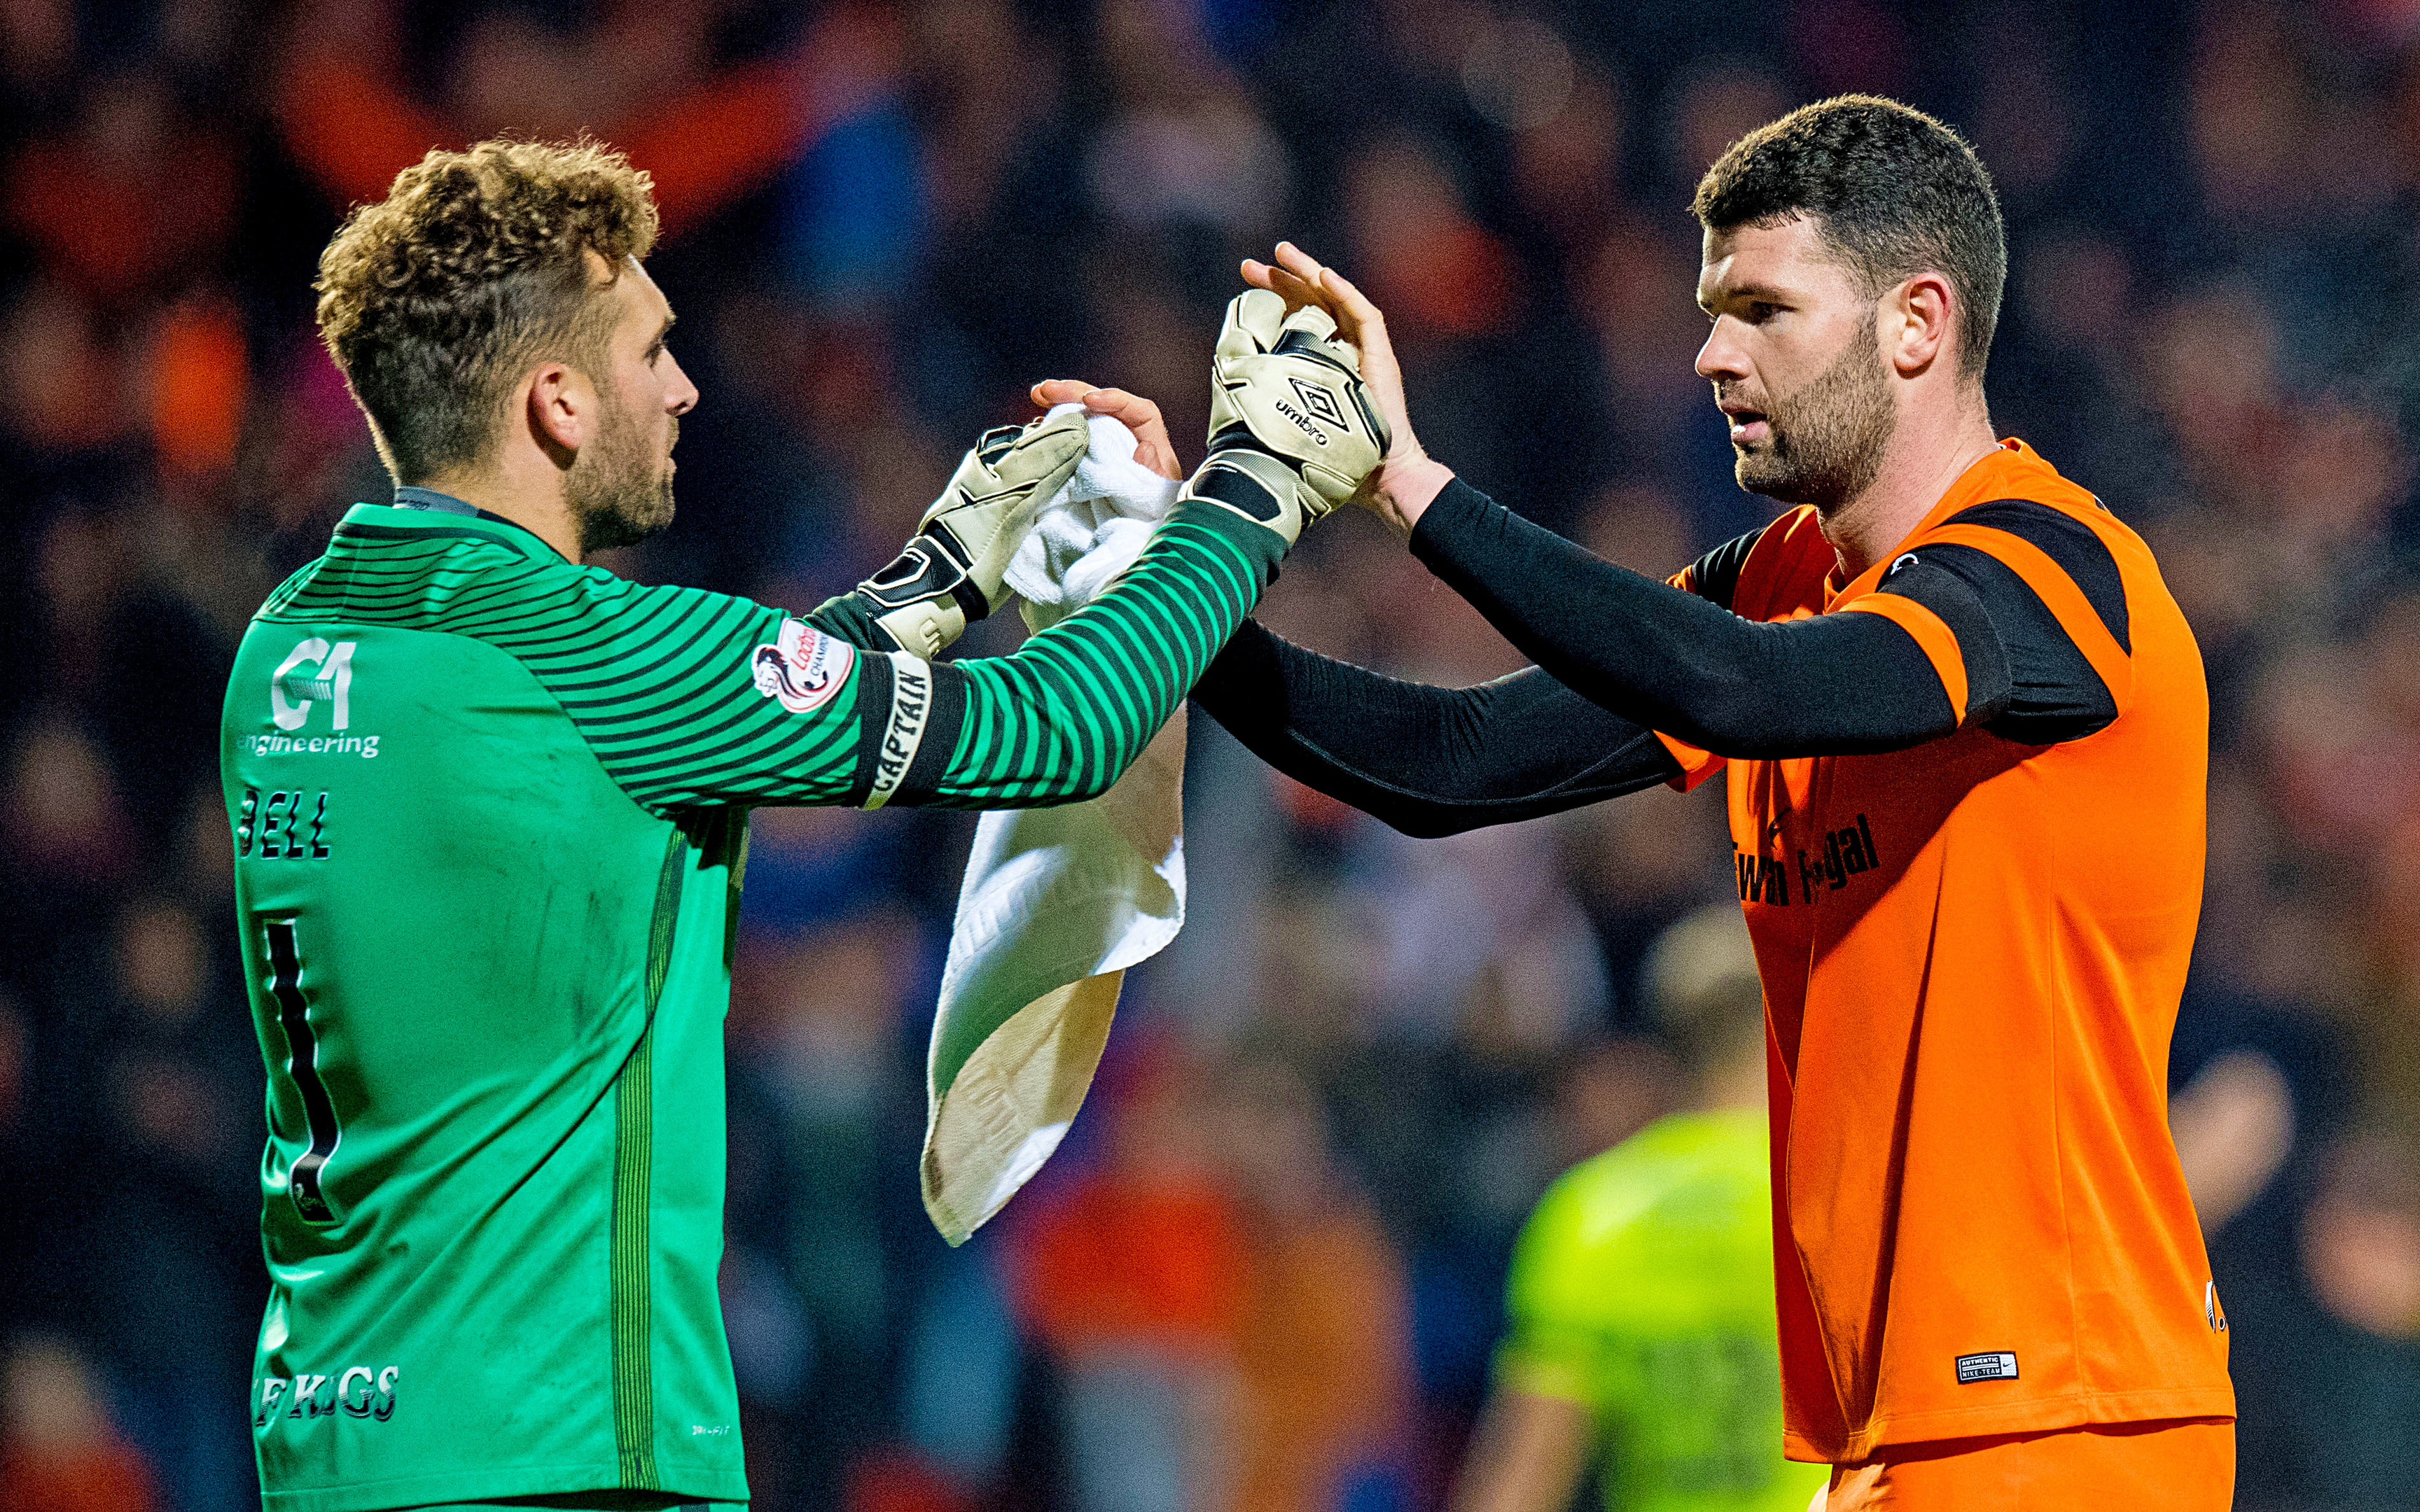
[2069, 542]
[1952, 600]
[1716, 576]
[2054, 693]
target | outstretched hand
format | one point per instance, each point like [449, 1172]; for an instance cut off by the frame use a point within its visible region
[1153, 448]
[1401, 489]
[1300, 279]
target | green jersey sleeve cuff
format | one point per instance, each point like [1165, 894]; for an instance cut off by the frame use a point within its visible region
[1258, 543]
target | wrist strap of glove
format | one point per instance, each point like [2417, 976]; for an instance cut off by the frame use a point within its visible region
[1265, 489]
[925, 596]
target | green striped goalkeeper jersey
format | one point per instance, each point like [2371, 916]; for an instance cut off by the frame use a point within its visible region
[1643, 1289]
[491, 814]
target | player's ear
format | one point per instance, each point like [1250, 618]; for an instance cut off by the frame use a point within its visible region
[1916, 323]
[562, 408]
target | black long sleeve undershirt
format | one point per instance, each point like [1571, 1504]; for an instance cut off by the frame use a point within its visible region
[1620, 654]
[1667, 659]
[1426, 761]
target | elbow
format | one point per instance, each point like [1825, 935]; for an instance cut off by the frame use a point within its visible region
[1088, 780]
[1741, 745]
[1086, 790]
[1773, 733]
[1747, 719]
[1079, 786]
[1749, 741]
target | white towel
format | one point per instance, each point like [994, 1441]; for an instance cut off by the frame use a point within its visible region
[1057, 902]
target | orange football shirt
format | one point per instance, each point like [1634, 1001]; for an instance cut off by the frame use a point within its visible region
[1971, 952]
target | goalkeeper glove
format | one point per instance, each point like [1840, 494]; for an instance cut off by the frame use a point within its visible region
[1293, 428]
[950, 573]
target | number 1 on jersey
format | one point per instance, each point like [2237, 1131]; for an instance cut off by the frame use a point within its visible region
[302, 1064]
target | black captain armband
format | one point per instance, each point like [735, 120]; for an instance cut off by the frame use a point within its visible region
[908, 712]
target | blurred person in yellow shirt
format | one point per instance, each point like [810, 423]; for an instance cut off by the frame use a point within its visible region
[1641, 1340]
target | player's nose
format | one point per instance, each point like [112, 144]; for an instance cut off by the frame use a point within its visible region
[680, 396]
[1721, 357]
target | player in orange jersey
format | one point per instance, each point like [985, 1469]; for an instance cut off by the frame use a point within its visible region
[1965, 731]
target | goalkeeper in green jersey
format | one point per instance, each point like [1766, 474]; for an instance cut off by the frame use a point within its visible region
[491, 811]
[1641, 1340]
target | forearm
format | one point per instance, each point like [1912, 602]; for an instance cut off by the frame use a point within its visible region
[1060, 718]
[1670, 660]
[1426, 761]
[1528, 1454]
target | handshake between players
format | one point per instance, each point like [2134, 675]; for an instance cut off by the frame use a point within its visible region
[1297, 428]
[488, 969]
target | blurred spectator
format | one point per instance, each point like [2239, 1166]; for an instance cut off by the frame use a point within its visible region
[168, 1277]
[2331, 1427]
[1185, 154]
[65, 827]
[961, 1375]
[1132, 1276]
[58, 1451]
[1477, 940]
[2234, 1124]
[1642, 1346]
[1441, 274]
[1323, 1340]
[20, 1230]
[812, 1266]
[705, 136]
[138, 191]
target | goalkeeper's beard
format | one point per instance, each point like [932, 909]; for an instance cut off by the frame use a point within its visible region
[1828, 437]
[619, 492]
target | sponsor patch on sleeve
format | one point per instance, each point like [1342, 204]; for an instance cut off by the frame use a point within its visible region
[804, 669]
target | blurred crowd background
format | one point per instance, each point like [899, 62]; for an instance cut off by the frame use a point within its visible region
[1267, 1273]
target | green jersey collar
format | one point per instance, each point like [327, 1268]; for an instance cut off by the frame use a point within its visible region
[420, 512]
[409, 496]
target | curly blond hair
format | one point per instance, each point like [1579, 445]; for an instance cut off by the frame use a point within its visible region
[435, 301]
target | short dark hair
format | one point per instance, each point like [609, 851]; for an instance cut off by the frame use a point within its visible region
[437, 298]
[1896, 191]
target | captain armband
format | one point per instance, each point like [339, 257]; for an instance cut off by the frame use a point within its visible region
[909, 713]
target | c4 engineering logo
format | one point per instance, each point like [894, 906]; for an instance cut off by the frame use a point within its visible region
[314, 673]
[293, 687]
[803, 668]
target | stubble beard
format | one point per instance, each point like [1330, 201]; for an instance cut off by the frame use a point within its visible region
[619, 491]
[1829, 437]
